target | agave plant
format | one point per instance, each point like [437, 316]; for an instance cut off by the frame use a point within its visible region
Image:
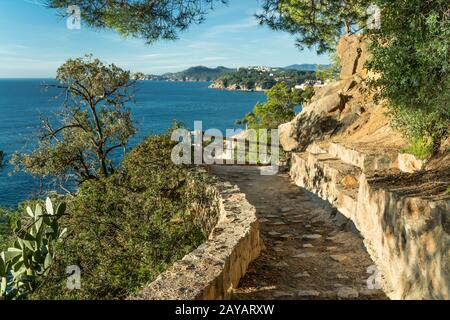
[32, 254]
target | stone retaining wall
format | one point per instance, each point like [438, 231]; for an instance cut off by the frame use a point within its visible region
[408, 237]
[409, 240]
[212, 270]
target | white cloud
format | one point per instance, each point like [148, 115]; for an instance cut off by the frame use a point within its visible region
[247, 23]
[215, 59]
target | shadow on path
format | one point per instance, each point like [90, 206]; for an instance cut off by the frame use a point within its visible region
[311, 251]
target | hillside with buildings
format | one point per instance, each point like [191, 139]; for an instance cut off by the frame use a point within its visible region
[262, 78]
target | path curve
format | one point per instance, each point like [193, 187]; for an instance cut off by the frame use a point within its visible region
[311, 251]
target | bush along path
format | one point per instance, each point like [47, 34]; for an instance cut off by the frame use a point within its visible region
[311, 250]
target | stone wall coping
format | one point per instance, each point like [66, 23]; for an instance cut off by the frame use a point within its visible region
[213, 269]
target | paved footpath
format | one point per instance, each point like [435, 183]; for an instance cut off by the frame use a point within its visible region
[311, 252]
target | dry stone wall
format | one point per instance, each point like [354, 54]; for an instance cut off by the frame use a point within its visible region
[407, 236]
[212, 270]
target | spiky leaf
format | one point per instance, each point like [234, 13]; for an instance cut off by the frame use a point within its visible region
[38, 210]
[49, 206]
[48, 261]
[11, 253]
[30, 212]
[61, 209]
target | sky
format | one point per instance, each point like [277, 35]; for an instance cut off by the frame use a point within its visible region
[34, 41]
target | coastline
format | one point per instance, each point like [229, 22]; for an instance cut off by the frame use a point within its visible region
[235, 87]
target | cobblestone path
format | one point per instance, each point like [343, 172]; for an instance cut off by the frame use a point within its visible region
[311, 251]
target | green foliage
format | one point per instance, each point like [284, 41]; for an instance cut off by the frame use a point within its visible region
[5, 230]
[129, 227]
[279, 108]
[332, 72]
[421, 147]
[147, 19]
[411, 52]
[199, 73]
[318, 24]
[249, 79]
[93, 123]
[307, 94]
[8, 219]
[28, 261]
[448, 191]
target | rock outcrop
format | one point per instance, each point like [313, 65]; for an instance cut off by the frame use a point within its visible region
[344, 150]
[353, 54]
[335, 106]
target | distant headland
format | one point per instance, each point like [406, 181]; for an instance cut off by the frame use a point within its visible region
[252, 78]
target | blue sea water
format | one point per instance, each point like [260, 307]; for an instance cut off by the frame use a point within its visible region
[23, 101]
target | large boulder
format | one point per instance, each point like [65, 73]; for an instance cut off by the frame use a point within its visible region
[328, 104]
[288, 136]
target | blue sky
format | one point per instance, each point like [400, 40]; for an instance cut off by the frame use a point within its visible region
[34, 41]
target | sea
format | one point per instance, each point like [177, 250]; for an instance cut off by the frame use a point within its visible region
[24, 102]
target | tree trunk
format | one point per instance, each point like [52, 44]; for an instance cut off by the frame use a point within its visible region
[347, 27]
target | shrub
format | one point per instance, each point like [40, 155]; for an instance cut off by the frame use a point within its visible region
[410, 52]
[8, 219]
[420, 147]
[127, 228]
[5, 230]
[93, 124]
[332, 72]
[26, 263]
[279, 108]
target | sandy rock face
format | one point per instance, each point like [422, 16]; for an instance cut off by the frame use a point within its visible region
[352, 51]
[333, 106]
[287, 134]
[328, 104]
[350, 182]
[409, 163]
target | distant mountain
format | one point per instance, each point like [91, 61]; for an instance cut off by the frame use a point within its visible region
[305, 67]
[194, 74]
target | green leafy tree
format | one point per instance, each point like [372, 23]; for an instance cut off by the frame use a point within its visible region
[93, 123]
[411, 52]
[148, 19]
[331, 72]
[250, 78]
[279, 108]
[126, 229]
[317, 23]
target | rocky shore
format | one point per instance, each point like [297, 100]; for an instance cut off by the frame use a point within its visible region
[218, 85]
